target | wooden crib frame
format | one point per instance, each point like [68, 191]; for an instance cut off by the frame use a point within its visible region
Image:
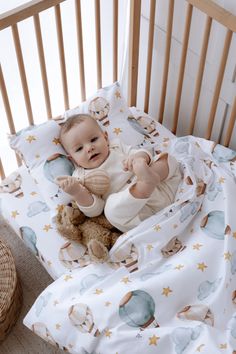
[213, 13]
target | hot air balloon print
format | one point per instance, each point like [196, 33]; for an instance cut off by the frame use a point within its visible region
[137, 309]
[82, 318]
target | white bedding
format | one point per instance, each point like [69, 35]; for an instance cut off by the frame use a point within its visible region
[170, 285]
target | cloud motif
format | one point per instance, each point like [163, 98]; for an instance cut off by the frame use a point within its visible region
[232, 326]
[206, 288]
[88, 281]
[162, 269]
[36, 208]
[182, 337]
[223, 154]
[42, 302]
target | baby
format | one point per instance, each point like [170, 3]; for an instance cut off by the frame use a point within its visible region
[140, 185]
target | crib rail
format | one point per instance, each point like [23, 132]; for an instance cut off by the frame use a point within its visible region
[213, 13]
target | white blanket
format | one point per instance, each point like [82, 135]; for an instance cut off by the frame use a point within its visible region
[170, 285]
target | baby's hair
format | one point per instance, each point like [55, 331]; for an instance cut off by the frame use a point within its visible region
[73, 120]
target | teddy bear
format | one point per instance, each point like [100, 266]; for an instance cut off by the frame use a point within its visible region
[96, 233]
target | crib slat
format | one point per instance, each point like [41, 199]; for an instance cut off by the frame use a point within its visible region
[80, 48]
[149, 56]
[182, 66]
[8, 109]
[2, 173]
[134, 28]
[61, 55]
[200, 73]
[98, 43]
[231, 124]
[115, 39]
[21, 67]
[219, 81]
[167, 60]
[42, 65]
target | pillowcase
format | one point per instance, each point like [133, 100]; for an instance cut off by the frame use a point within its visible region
[46, 159]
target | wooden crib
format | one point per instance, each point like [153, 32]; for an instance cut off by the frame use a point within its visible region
[139, 73]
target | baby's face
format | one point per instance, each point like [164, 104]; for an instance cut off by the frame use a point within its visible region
[86, 144]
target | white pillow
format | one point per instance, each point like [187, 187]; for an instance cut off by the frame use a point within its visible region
[41, 150]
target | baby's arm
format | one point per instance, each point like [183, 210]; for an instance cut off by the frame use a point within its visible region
[72, 186]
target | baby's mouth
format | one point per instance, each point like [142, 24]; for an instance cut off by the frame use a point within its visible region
[94, 156]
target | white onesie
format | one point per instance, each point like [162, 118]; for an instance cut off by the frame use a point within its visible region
[122, 209]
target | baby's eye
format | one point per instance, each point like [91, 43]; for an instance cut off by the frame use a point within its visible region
[79, 148]
[94, 139]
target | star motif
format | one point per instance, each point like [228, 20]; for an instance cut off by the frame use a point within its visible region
[117, 131]
[234, 234]
[197, 246]
[201, 266]
[108, 333]
[56, 141]
[30, 138]
[49, 263]
[37, 156]
[157, 228]
[200, 347]
[67, 277]
[221, 180]
[181, 190]
[166, 291]
[149, 247]
[58, 326]
[14, 214]
[166, 139]
[179, 266]
[175, 226]
[197, 145]
[98, 291]
[223, 346]
[47, 227]
[56, 302]
[33, 193]
[227, 255]
[117, 94]
[153, 340]
[107, 303]
[125, 280]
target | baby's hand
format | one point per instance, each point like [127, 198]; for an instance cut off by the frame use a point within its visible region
[128, 163]
[69, 184]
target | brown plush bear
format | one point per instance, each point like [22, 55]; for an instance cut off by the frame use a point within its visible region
[96, 233]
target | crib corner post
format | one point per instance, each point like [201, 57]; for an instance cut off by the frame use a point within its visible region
[134, 32]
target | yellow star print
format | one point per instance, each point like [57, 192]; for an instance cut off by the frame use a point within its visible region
[125, 280]
[153, 340]
[30, 138]
[108, 333]
[157, 228]
[58, 326]
[56, 141]
[234, 234]
[197, 246]
[47, 227]
[107, 303]
[98, 291]
[68, 277]
[201, 266]
[227, 256]
[14, 214]
[149, 247]
[117, 131]
[33, 193]
[166, 291]
[221, 180]
[179, 266]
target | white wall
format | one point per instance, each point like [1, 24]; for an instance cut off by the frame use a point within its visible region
[228, 90]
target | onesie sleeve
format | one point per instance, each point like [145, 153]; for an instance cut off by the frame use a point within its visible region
[95, 209]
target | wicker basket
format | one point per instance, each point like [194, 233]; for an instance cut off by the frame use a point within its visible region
[10, 291]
